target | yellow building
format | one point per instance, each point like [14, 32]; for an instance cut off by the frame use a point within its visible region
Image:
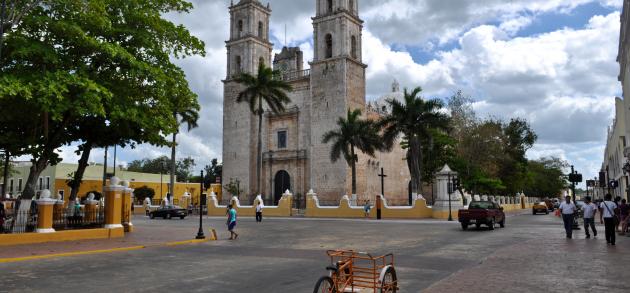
[55, 179]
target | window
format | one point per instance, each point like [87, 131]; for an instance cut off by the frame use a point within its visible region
[330, 6]
[282, 139]
[41, 183]
[48, 182]
[238, 64]
[240, 28]
[260, 30]
[19, 184]
[329, 46]
[11, 185]
[353, 46]
[61, 192]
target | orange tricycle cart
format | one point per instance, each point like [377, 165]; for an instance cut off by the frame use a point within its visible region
[352, 271]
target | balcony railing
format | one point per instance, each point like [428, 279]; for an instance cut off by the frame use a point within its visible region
[294, 75]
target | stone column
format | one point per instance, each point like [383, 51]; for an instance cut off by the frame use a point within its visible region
[91, 209]
[126, 206]
[58, 210]
[441, 205]
[45, 207]
[113, 204]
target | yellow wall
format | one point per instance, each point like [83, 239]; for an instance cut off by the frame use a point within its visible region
[282, 210]
[69, 235]
[90, 185]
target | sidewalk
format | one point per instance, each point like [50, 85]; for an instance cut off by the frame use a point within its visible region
[146, 236]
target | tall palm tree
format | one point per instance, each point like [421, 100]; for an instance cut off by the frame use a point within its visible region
[353, 132]
[188, 114]
[416, 120]
[263, 89]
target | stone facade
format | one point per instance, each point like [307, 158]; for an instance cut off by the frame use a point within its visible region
[294, 156]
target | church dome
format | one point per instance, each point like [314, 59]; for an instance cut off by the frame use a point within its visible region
[380, 105]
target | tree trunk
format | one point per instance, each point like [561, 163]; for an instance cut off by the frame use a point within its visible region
[5, 175]
[78, 175]
[354, 170]
[259, 150]
[36, 169]
[171, 187]
[414, 164]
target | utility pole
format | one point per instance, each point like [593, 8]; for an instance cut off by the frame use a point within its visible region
[105, 170]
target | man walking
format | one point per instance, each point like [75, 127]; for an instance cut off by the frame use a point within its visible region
[567, 209]
[589, 209]
[259, 209]
[607, 212]
[231, 222]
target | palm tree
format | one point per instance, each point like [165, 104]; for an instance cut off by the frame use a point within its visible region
[416, 120]
[189, 115]
[259, 89]
[353, 132]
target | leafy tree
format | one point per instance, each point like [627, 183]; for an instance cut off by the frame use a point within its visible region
[73, 61]
[353, 132]
[545, 177]
[417, 120]
[161, 164]
[212, 171]
[263, 90]
[143, 192]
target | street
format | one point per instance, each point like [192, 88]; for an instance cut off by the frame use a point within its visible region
[288, 255]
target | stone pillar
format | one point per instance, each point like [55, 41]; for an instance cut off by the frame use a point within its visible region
[45, 207]
[91, 209]
[441, 205]
[127, 201]
[58, 211]
[113, 204]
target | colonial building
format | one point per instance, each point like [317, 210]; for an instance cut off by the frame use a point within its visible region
[294, 156]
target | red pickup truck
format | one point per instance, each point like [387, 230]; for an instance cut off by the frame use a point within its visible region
[482, 213]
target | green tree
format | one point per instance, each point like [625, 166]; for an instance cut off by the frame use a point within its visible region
[545, 177]
[417, 120]
[186, 112]
[74, 60]
[260, 91]
[213, 171]
[353, 132]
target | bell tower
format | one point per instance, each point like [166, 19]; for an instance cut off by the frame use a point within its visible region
[337, 84]
[247, 47]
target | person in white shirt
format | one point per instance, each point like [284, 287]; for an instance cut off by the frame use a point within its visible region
[607, 212]
[589, 209]
[259, 209]
[568, 209]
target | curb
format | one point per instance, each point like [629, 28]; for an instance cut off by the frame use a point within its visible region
[120, 249]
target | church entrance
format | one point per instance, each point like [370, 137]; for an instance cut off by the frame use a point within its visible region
[282, 182]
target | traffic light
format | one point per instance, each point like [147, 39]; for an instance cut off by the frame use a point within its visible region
[602, 179]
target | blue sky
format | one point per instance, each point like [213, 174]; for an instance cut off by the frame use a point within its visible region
[527, 58]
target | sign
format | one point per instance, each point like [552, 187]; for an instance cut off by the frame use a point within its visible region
[602, 179]
[613, 184]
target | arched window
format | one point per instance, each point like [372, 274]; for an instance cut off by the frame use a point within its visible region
[353, 47]
[261, 60]
[238, 64]
[330, 6]
[240, 28]
[260, 30]
[329, 46]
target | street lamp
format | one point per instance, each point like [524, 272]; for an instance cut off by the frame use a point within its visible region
[450, 188]
[201, 195]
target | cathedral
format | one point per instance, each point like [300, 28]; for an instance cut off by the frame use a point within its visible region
[293, 155]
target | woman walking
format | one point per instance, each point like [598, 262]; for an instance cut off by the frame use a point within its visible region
[607, 212]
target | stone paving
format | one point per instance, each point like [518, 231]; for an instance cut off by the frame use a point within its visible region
[288, 255]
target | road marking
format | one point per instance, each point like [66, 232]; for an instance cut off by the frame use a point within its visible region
[120, 249]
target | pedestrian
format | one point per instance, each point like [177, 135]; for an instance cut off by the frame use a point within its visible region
[567, 209]
[617, 213]
[624, 210]
[259, 209]
[607, 212]
[589, 209]
[366, 208]
[231, 222]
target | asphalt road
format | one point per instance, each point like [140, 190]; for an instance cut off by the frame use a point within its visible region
[288, 255]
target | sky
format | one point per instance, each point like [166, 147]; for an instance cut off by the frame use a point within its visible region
[552, 62]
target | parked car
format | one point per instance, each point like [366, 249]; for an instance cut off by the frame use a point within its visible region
[168, 212]
[540, 207]
[482, 213]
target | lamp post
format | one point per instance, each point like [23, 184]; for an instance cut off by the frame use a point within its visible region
[449, 190]
[270, 173]
[200, 232]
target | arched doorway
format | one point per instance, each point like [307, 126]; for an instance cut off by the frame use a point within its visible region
[281, 183]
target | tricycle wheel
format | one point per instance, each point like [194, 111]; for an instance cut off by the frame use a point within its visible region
[325, 284]
[464, 226]
[389, 281]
